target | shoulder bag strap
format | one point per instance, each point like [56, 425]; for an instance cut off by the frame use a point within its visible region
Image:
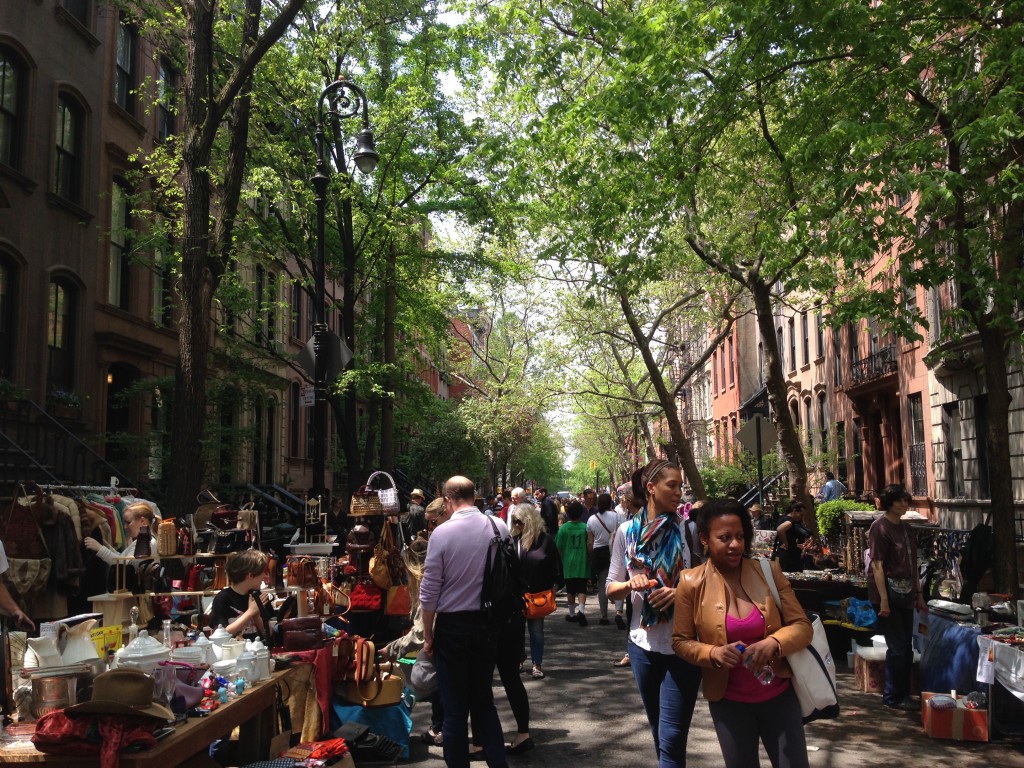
[766, 568]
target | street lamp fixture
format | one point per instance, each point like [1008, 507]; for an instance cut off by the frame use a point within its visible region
[346, 100]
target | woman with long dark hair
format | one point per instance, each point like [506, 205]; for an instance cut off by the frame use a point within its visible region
[648, 555]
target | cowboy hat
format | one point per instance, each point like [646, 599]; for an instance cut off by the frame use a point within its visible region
[124, 691]
[416, 493]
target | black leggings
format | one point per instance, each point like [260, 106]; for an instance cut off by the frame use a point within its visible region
[510, 654]
[776, 723]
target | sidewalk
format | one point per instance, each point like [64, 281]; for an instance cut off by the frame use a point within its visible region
[587, 713]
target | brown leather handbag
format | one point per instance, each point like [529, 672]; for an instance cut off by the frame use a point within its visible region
[302, 572]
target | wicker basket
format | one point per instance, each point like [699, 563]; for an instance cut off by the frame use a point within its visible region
[388, 496]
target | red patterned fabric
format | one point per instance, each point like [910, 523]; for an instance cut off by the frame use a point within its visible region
[105, 735]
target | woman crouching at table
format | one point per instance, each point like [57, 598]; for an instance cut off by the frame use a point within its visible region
[726, 622]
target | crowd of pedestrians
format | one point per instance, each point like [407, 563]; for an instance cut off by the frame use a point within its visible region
[680, 579]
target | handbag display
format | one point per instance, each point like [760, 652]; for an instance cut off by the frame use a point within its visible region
[380, 567]
[399, 601]
[539, 604]
[372, 684]
[302, 572]
[388, 497]
[302, 634]
[365, 503]
[365, 596]
[814, 669]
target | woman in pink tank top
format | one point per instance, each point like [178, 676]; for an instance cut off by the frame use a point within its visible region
[726, 622]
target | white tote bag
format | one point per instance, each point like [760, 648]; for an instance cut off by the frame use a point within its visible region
[814, 669]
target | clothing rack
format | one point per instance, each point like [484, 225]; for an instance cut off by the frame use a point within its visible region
[112, 489]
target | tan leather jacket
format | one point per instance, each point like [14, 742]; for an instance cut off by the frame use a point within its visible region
[700, 610]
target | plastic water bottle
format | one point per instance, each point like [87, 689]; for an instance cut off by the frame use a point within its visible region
[764, 675]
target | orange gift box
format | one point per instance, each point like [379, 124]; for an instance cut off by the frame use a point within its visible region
[961, 723]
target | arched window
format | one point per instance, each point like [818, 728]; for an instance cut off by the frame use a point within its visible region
[8, 314]
[13, 77]
[68, 163]
[60, 336]
[808, 422]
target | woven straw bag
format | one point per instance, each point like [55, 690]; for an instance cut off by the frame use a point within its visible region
[365, 503]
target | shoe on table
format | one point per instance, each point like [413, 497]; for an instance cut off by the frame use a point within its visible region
[581, 620]
[572, 617]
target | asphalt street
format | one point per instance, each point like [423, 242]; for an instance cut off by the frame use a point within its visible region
[587, 712]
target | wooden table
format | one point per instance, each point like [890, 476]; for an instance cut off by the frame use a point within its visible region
[252, 713]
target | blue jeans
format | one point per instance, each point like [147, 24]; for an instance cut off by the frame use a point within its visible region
[897, 628]
[464, 655]
[668, 689]
[536, 630]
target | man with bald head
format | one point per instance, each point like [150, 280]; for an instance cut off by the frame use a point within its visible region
[455, 630]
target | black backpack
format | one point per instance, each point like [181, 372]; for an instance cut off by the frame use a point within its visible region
[503, 593]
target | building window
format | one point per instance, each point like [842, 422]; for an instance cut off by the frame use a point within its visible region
[779, 344]
[981, 442]
[732, 364]
[294, 422]
[79, 9]
[841, 471]
[166, 105]
[120, 246]
[266, 306]
[837, 353]
[60, 336]
[264, 422]
[819, 324]
[792, 345]
[808, 422]
[823, 422]
[8, 281]
[124, 68]
[854, 339]
[163, 285]
[953, 440]
[918, 465]
[12, 118]
[721, 366]
[805, 330]
[297, 311]
[68, 164]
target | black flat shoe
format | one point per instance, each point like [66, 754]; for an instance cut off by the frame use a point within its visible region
[477, 756]
[523, 746]
[619, 621]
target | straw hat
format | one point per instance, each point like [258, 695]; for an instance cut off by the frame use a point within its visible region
[123, 691]
[417, 494]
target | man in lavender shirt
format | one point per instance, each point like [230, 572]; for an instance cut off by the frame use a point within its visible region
[455, 631]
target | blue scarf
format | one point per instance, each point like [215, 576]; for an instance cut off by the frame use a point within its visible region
[656, 547]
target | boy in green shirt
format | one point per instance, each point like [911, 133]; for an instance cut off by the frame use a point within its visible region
[574, 544]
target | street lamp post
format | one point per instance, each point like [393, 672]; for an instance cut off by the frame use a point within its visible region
[346, 100]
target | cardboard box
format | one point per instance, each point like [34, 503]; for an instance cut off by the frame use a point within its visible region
[961, 724]
[869, 672]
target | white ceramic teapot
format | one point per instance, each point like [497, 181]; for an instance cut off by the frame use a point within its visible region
[144, 652]
[75, 642]
[42, 652]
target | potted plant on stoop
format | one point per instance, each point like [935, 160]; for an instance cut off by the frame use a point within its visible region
[9, 391]
[63, 404]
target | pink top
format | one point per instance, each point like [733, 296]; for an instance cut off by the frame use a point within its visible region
[743, 686]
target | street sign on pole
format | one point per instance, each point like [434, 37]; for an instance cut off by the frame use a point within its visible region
[758, 427]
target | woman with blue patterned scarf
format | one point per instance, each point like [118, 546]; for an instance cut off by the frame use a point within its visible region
[648, 554]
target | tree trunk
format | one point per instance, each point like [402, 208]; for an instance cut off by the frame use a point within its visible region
[196, 286]
[775, 381]
[667, 402]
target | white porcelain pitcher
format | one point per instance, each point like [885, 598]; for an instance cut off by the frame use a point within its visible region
[42, 652]
[77, 645]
